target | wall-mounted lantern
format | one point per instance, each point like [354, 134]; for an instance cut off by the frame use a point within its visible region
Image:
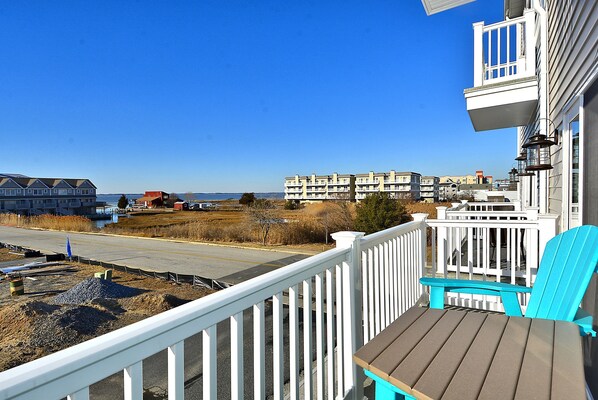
[538, 151]
[513, 176]
[522, 164]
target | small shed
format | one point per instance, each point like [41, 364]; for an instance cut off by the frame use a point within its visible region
[181, 205]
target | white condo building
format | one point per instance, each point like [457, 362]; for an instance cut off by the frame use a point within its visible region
[430, 186]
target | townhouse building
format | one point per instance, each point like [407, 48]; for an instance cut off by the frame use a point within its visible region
[20, 194]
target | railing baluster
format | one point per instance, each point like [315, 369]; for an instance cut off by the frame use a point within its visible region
[470, 258]
[377, 290]
[176, 371]
[364, 300]
[514, 257]
[294, 341]
[133, 381]
[319, 337]
[371, 292]
[404, 271]
[434, 255]
[236, 356]
[388, 297]
[307, 340]
[259, 352]
[277, 345]
[330, 333]
[339, 329]
[395, 276]
[209, 340]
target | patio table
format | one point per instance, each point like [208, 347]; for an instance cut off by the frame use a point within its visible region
[457, 354]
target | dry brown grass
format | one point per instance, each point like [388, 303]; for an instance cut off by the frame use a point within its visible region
[46, 221]
[231, 224]
[428, 208]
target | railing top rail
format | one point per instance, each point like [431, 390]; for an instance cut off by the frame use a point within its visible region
[469, 213]
[503, 24]
[473, 223]
[79, 366]
[382, 236]
[489, 203]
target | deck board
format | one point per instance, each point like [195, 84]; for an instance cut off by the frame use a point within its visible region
[568, 380]
[503, 375]
[413, 366]
[536, 370]
[368, 353]
[387, 361]
[435, 379]
[469, 378]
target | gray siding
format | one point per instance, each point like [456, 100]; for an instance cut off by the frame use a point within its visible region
[572, 49]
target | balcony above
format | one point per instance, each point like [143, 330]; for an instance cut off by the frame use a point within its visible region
[505, 92]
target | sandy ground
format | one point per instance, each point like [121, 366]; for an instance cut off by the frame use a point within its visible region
[31, 326]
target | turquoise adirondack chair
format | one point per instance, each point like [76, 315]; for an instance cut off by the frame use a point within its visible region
[564, 273]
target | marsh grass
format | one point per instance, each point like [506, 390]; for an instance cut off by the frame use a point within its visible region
[47, 221]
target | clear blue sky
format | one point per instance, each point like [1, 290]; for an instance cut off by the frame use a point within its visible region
[223, 96]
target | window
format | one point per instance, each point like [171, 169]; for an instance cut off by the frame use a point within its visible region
[574, 173]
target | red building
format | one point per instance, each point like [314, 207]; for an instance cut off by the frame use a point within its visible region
[152, 199]
[181, 206]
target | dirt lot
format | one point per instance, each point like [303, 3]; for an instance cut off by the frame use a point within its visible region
[32, 326]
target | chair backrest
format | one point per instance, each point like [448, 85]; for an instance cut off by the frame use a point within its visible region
[564, 274]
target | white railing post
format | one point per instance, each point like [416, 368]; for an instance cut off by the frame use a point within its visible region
[441, 235]
[530, 45]
[352, 310]
[547, 228]
[532, 213]
[421, 217]
[478, 54]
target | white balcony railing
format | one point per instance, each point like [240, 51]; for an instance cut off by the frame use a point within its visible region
[505, 50]
[345, 296]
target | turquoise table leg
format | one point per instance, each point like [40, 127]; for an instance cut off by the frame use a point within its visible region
[385, 390]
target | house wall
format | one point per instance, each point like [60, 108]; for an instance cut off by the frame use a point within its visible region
[590, 213]
[573, 45]
[572, 49]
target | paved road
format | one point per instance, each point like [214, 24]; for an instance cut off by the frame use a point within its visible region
[223, 263]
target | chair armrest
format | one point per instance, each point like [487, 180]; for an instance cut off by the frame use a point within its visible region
[506, 291]
[585, 322]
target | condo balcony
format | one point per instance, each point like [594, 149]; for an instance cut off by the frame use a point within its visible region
[293, 184]
[505, 92]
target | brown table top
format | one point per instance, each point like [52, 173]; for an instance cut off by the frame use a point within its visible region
[454, 354]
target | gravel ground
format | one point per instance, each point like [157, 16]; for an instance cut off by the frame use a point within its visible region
[94, 288]
[42, 322]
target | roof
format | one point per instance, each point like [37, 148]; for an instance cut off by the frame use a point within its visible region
[26, 181]
[148, 198]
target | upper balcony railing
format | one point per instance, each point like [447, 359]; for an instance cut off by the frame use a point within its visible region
[505, 50]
